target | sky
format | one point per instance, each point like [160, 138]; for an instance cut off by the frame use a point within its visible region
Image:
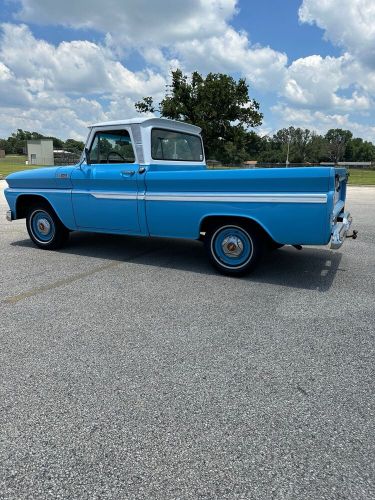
[66, 64]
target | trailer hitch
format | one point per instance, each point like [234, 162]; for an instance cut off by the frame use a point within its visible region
[354, 235]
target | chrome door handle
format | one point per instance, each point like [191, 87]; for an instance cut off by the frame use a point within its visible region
[127, 173]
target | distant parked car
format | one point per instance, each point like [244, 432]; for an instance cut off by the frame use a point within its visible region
[148, 177]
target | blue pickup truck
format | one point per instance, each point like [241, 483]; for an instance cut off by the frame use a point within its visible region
[149, 177]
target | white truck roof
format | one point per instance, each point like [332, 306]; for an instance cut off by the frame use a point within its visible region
[141, 135]
[151, 122]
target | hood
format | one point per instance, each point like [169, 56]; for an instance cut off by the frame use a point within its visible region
[47, 177]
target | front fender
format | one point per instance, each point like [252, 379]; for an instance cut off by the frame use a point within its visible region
[59, 199]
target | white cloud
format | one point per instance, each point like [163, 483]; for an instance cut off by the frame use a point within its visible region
[320, 121]
[47, 87]
[85, 81]
[323, 93]
[347, 23]
[316, 82]
[195, 34]
[136, 22]
[304, 117]
[232, 52]
[5, 74]
[74, 67]
[11, 90]
[335, 87]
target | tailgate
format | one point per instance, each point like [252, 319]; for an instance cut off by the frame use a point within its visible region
[340, 182]
[341, 220]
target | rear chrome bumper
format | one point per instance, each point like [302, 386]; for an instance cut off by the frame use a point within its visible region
[9, 216]
[340, 230]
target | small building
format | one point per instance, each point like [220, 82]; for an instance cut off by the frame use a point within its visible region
[213, 163]
[2, 153]
[250, 163]
[40, 152]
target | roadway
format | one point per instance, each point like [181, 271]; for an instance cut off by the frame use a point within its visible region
[130, 369]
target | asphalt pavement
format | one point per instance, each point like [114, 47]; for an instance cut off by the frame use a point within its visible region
[130, 369]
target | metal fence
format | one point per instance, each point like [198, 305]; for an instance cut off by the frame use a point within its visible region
[66, 159]
[218, 165]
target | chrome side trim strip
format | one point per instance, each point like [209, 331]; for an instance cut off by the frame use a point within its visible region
[188, 197]
[113, 196]
[38, 190]
[240, 197]
[207, 197]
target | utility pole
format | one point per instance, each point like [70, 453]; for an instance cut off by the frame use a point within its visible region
[287, 153]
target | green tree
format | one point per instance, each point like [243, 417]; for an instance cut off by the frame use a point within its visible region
[74, 146]
[254, 144]
[297, 139]
[57, 143]
[272, 150]
[317, 150]
[359, 150]
[301, 142]
[5, 146]
[280, 143]
[337, 141]
[235, 149]
[16, 143]
[218, 104]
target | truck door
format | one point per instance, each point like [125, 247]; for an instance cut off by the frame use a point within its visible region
[105, 191]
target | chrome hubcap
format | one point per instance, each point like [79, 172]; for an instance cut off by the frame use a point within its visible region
[232, 246]
[44, 226]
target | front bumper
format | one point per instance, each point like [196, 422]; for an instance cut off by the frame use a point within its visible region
[340, 230]
[9, 216]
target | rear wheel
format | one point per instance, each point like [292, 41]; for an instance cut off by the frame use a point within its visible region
[234, 249]
[45, 228]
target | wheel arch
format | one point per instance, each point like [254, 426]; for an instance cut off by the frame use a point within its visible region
[209, 221]
[60, 202]
[25, 201]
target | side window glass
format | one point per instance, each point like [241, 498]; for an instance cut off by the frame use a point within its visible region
[173, 145]
[112, 147]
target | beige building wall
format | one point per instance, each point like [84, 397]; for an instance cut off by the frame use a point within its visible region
[40, 152]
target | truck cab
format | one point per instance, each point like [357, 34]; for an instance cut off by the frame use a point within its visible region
[110, 183]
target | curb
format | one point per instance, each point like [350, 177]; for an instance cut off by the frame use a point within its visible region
[361, 185]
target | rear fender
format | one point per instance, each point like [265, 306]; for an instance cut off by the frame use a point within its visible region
[212, 219]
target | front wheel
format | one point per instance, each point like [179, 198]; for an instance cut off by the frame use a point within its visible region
[45, 228]
[233, 249]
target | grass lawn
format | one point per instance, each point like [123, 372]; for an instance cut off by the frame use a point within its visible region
[361, 177]
[15, 163]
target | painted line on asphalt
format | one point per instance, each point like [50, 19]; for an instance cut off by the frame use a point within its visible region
[67, 281]
[58, 283]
